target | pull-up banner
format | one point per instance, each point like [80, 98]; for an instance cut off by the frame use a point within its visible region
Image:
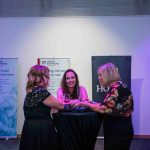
[123, 63]
[57, 67]
[8, 97]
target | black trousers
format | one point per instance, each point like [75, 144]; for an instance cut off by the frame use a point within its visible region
[118, 133]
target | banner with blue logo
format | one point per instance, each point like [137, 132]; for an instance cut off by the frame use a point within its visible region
[57, 67]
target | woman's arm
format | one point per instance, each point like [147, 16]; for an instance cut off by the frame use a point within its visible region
[60, 95]
[51, 101]
[97, 107]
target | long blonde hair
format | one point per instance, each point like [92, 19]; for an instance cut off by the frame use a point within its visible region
[38, 76]
[110, 73]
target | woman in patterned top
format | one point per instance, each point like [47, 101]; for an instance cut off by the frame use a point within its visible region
[117, 108]
[38, 131]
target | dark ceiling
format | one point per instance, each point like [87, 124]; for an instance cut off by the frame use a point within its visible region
[50, 8]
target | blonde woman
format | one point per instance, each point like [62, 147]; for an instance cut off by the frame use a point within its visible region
[117, 108]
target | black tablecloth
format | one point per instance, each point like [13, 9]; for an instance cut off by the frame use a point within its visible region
[77, 131]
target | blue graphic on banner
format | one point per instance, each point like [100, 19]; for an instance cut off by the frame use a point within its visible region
[8, 96]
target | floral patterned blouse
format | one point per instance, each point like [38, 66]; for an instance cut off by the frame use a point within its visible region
[119, 100]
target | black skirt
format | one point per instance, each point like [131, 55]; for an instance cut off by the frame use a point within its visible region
[38, 134]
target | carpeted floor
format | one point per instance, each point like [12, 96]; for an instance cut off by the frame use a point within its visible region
[137, 144]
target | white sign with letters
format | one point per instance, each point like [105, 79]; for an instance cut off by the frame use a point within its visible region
[57, 68]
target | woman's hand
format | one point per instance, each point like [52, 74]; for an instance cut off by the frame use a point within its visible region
[54, 110]
[71, 102]
[66, 101]
[80, 103]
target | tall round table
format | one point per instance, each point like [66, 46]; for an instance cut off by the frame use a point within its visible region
[77, 131]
